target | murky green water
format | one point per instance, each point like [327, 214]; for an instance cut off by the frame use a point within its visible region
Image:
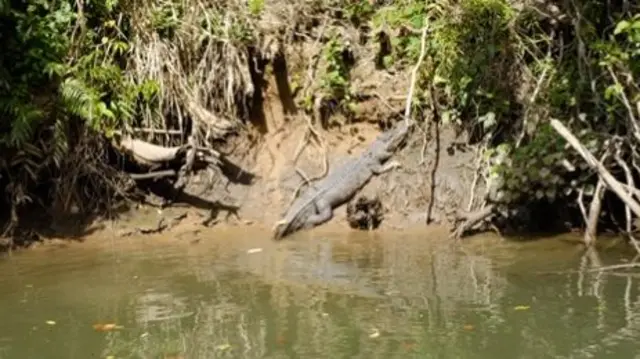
[351, 296]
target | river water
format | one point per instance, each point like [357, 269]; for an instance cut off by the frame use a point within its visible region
[236, 294]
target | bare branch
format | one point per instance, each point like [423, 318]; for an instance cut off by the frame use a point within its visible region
[414, 74]
[608, 179]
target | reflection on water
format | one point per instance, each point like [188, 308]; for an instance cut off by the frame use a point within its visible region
[350, 296]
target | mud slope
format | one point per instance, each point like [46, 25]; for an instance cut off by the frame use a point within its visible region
[435, 178]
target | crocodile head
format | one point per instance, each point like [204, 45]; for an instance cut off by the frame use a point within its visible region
[279, 230]
[394, 138]
[289, 224]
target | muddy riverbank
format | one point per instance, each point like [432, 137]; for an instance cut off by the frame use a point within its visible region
[231, 113]
[434, 181]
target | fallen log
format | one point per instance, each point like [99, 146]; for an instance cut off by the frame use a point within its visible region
[180, 162]
[607, 178]
[594, 214]
[147, 153]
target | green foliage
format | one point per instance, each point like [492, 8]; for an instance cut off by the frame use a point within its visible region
[359, 11]
[33, 41]
[256, 6]
[469, 51]
[406, 49]
[537, 171]
[87, 74]
[610, 55]
[473, 56]
[500, 68]
[335, 79]
[165, 19]
[619, 56]
[62, 72]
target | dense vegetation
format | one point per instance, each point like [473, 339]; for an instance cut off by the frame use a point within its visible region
[74, 74]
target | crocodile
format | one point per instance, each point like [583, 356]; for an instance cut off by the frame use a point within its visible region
[316, 205]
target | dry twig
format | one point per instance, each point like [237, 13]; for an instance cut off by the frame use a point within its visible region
[414, 74]
[608, 179]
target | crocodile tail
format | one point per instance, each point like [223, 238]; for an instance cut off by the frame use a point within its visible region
[278, 235]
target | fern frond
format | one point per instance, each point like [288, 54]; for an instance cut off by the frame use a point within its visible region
[60, 144]
[79, 99]
[25, 118]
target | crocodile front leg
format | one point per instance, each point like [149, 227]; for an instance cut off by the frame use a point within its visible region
[380, 169]
[325, 212]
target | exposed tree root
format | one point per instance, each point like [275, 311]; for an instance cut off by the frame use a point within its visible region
[153, 175]
[630, 187]
[162, 225]
[183, 157]
[365, 213]
[310, 131]
[470, 220]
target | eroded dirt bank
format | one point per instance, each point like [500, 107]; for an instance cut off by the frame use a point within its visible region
[286, 139]
[286, 91]
[434, 181]
[428, 174]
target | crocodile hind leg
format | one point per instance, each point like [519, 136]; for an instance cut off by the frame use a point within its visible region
[324, 214]
[380, 169]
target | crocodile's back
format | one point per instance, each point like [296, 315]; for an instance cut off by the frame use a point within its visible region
[339, 185]
[348, 179]
[342, 183]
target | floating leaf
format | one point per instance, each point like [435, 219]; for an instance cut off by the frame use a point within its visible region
[409, 345]
[106, 327]
[222, 347]
[173, 356]
[468, 327]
